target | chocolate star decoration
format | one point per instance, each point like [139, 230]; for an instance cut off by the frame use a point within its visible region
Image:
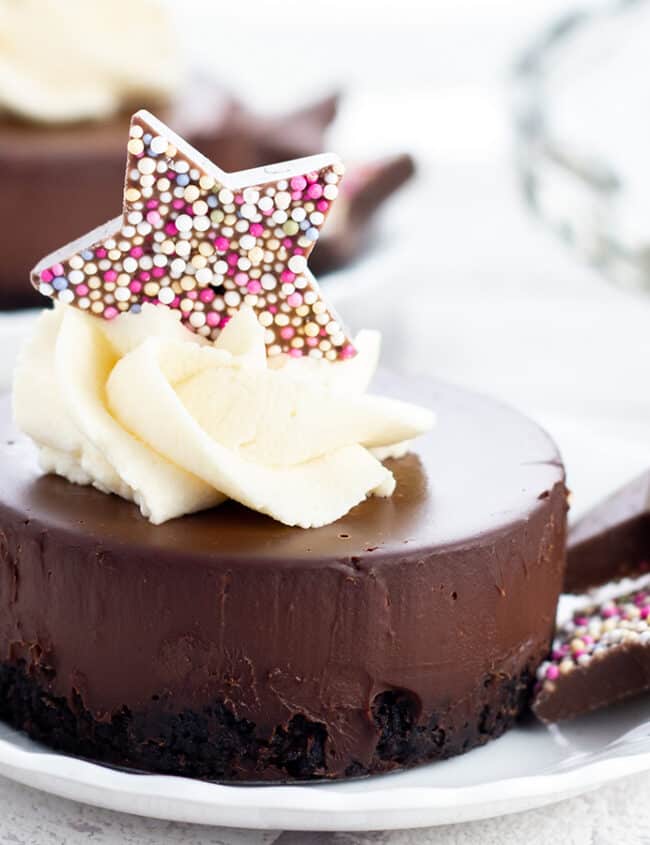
[205, 243]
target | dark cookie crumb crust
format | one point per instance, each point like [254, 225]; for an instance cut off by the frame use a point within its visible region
[214, 745]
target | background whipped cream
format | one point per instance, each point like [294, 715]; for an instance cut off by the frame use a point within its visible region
[68, 60]
[143, 408]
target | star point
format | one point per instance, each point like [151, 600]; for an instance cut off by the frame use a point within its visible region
[205, 243]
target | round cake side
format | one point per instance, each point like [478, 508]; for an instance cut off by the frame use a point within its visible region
[227, 646]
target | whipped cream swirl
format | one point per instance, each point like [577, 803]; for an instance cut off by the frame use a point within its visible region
[71, 60]
[143, 408]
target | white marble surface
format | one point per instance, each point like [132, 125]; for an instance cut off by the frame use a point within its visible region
[613, 816]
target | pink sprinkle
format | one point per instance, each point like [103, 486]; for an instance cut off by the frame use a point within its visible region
[47, 276]
[136, 252]
[267, 211]
[153, 217]
[158, 272]
[212, 318]
[608, 612]
[552, 673]
[230, 272]
[348, 351]
[152, 203]
[287, 276]
[586, 638]
[110, 276]
[312, 341]
[178, 204]
[81, 290]
[313, 176]
[224, 321]
[287, 332]
[222, 243]
[170, 229]
[254, 286]
[241, 279]
[645, 612]
[176, 301]
[322, 205]
[315, 191]
[135, 287]
[207, 295]
[298, 183]
[110, 312]
[144, 275]
[296, 195]
[295, 353]
[294, 300]
[99, 253]
[192, 294]
[287, 243]
[256, 229]
[57, 269]
[239, 199]
[273, 309]
[581, 620]
[299, 251]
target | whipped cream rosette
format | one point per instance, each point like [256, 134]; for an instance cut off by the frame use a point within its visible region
[144, 408]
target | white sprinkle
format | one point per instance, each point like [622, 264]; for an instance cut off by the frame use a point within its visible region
[66, 296]
[158, 144]
[146, 165]
[232, 298]
[297, 263]
[226, 196]
[201, 223]
[122, 294]
[330, 192]
[204, 276]
[183, 222]
[166, 296]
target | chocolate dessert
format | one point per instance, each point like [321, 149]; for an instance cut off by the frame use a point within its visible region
[225, 645]
[601, 656]
[219, 556]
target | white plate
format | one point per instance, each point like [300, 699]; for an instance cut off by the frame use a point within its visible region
[529, 767]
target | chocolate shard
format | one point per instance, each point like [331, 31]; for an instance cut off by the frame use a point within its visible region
[611, 541]
[288, 136]
[365, 189]
[601, 656]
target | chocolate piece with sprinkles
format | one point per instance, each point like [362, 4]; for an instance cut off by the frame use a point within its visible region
[205, 243]
[599, 657]
[611, 541]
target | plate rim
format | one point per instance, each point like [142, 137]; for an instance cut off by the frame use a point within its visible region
[306, 806]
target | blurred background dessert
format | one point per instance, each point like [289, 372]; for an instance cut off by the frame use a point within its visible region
[72, 72]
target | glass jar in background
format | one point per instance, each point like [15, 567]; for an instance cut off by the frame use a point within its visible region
[582, 119]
